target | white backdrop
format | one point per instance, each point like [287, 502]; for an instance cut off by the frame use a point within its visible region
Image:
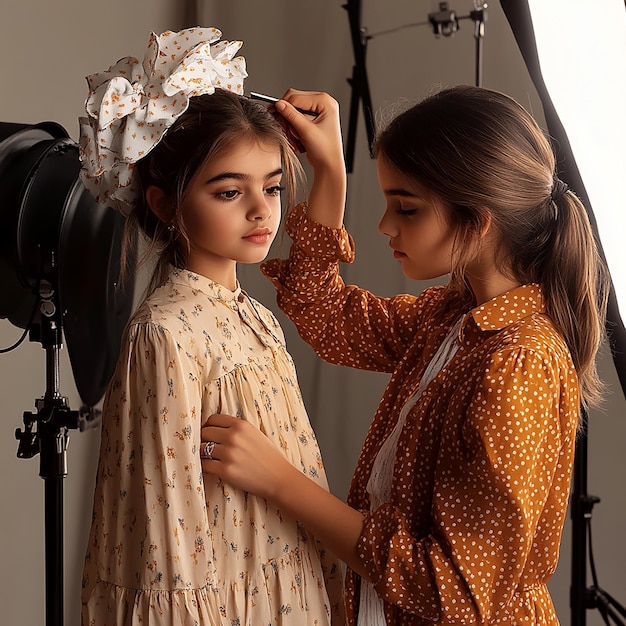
[47, 48]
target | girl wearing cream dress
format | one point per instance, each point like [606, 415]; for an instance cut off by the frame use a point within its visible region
[198, 169]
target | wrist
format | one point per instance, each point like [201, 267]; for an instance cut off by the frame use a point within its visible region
[330, 168]
[285, 485]
[327, 197]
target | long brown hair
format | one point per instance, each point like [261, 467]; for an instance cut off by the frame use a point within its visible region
[485, 157]
[210, 125]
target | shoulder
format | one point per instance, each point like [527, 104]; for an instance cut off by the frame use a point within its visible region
[530, 358]
[538, 335]
[171, 314]
[151, 332]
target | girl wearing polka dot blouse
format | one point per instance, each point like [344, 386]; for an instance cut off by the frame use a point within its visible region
[459, 497]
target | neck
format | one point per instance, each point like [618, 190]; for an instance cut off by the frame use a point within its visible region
[485, 278]
[223, 274]
[486, 288]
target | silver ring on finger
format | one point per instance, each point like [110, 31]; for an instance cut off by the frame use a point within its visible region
[207, 450]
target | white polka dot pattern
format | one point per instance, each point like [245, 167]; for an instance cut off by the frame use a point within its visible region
[481, 480]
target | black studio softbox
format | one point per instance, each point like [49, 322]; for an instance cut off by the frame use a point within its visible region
[57, 239]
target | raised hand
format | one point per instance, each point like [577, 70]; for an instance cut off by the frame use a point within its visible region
[320, 137]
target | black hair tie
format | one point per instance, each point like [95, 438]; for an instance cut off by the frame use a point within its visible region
[559, 188]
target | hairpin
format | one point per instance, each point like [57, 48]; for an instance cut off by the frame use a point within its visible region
[271, 100]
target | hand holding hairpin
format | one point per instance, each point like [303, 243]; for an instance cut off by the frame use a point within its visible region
[271, 100]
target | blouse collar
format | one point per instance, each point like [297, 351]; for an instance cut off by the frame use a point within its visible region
[205, 285]
[510, 307]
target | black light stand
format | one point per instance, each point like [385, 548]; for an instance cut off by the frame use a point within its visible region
[359, 84]
[479, 16]
[583, 597]
[60, 262]
[53, 420]
[444, 22]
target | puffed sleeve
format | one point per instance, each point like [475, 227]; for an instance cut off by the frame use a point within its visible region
[502, 474]
[344, 324]
[149, 558]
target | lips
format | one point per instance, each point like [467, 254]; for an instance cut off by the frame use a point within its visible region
[261, 235]
[396, 253]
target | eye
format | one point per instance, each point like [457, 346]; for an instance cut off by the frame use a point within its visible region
[406, 211]
[274, 190]
[230, 194]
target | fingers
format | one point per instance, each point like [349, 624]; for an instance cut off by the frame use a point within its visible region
[287, 117]
[207, 448]
[221, 420]
[234, 446]
[319, 135]
[241, 455]
[231, 437]
[298, 102]
[214, 435]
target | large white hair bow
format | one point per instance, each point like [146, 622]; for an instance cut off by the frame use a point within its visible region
[131, 105]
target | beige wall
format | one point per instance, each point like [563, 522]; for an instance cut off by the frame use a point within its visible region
[46, 49]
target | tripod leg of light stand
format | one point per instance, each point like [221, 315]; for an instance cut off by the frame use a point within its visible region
[583, 597]
[607, 605]
[53, 440]
[54, 551]
[613, 608]
[54, 419]
[579, 506]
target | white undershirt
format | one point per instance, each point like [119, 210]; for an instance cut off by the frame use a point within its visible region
[371, 607]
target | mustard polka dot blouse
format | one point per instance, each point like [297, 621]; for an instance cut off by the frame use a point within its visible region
[471, 530]
[169, 544]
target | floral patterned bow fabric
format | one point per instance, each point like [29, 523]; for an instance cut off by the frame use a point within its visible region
[132, 104]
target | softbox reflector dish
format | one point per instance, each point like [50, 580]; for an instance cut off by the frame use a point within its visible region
[55, 231]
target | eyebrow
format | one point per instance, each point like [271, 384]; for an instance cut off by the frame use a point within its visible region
[240, 176]
[402, 193]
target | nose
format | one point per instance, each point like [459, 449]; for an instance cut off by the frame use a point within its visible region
[260, 209]
[386, 225]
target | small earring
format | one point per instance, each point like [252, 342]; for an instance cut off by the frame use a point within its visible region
[171, 227]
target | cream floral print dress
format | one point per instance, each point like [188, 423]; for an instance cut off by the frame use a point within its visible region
[169, 544]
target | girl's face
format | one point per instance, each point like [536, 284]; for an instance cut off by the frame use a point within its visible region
[232, 210]
[419, 233]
